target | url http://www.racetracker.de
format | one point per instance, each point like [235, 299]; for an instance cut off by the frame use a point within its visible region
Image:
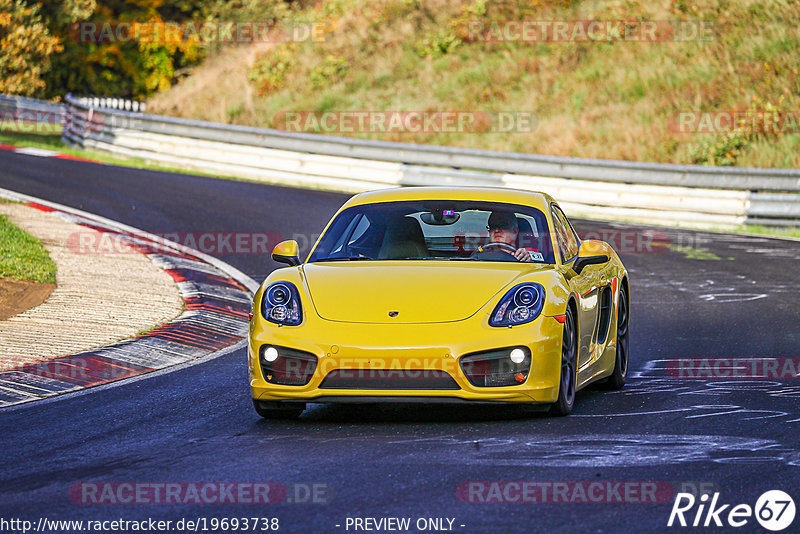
[199, 524]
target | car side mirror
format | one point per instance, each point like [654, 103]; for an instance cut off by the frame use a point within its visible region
[287, 252]
[590, 253]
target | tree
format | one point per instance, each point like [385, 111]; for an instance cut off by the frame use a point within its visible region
[118, 67]
[45, 54]
[26, 46]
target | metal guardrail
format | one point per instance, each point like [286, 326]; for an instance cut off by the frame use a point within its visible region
[487, 160]
[687, 195]
[31, 110]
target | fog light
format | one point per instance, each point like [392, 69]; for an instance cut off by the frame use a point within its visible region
[286, 366]
[497, 367]
[271, 354]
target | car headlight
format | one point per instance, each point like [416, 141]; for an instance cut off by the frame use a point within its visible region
[522, 304]
[281, 304]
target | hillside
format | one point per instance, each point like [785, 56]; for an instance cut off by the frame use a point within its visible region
[618, 99]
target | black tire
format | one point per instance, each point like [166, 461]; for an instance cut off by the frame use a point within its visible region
[279, 410]
[617, 379]
[568, 382]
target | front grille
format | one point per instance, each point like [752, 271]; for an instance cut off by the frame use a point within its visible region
[494, 368]
[291, 368]
[388, 379]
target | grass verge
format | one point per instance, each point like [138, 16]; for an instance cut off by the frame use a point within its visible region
[769, 231]
[22, 256]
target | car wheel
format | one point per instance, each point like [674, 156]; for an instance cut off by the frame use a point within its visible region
[279, 410]
[617, 378]
[569, 368]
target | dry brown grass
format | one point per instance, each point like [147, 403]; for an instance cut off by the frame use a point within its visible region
[594, 100]
[217, 90]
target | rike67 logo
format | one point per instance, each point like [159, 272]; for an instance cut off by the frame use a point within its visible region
[774, 510]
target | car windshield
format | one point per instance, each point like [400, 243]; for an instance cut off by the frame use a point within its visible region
[435, 230]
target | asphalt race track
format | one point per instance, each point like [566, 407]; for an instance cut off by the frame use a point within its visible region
[707, 296]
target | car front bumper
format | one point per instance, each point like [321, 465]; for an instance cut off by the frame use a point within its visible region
[356, 347]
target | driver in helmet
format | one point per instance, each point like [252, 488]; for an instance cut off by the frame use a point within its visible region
[503, 228]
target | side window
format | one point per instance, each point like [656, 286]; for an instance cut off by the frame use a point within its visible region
[560, 231]
[567, 239]
[573, 235]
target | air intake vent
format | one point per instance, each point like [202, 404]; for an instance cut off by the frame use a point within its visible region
[388, 379]
[605, 315]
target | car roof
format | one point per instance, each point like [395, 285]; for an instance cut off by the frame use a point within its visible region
[488, 194]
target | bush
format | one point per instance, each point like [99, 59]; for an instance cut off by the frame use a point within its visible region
[720, 150]
[271, 70]
[333, 68]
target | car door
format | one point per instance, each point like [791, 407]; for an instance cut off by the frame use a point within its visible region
[585, 285]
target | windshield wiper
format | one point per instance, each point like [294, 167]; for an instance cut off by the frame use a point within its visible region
[345, 258]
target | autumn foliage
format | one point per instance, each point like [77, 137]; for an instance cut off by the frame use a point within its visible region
[25, 48]
[41, 56]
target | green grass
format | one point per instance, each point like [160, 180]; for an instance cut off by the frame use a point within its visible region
[52, 141]
[22, 256]
[144, 331]
[695, 253]
[770, 231]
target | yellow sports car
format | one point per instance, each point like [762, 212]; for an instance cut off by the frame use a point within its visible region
[440, 294]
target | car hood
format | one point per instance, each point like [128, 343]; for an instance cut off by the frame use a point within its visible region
[420, 292]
